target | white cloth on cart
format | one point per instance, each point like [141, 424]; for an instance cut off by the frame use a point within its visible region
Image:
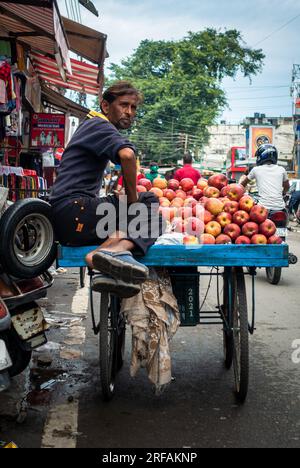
[154, 317]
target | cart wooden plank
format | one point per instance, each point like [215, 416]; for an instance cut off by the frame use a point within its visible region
[189, 256]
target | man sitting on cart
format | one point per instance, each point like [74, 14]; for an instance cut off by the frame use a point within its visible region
[78, 210]
[272, 179]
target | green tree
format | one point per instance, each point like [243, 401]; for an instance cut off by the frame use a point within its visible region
[182, 86]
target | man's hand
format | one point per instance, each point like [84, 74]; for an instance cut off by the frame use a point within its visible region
[128, 163]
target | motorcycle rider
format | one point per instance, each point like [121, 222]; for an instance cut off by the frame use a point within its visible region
[272, 179]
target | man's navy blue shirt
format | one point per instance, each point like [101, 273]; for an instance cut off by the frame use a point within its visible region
[93, 145]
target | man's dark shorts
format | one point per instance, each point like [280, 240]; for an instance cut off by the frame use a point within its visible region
[75, 221]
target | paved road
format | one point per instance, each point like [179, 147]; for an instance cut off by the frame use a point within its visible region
[61, 405]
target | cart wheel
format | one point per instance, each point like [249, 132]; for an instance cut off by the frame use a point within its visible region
[112, 336]
[240, 335]
[227, 330]
[82, 277]
[274, 275]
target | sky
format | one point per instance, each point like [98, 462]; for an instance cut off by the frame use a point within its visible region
[128, 22]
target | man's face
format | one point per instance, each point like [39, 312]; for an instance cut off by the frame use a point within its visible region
[122, 112]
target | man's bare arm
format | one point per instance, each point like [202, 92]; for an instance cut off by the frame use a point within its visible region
[128, 163]
[286, 187]
[246, 182]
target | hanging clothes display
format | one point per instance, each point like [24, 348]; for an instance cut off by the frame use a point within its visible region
[22, 183]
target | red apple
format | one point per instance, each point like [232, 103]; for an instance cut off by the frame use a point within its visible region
[158, 192]
[207, 239]
[177, 202]
[202, 184]
[219, 181]
[243, 240]
[168, 213]
[225, 190]
[141, 189]
[185, 212]
[250, 229]
[211, 192]
[208, 217]
[259, 239]
[180, 194]
[165, 212]
[233, 231]
[146, 183]
[164, 202]
[231, 207]
[241, 217]
[268, 228]
[160, 183]
[190, 240]
[187, 184]
[203, 200]
[197, 193]
[214, 206]
[213, 228]
[178, 225]
[247, 203]
[198, 211]
[223, 240]
[194, 226]
[275, 240]
[190, 202]
[259, 214]
[224, 219]
[169, 194]
[236, 192]
[173, 184]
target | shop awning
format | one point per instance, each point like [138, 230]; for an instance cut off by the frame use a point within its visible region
[84, 78]
[86, 42]
[37, 25]
[63, 104]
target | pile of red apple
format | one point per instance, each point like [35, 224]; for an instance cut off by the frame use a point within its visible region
[213, 212]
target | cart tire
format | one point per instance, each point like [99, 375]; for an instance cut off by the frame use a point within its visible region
[274, 275]
[240, 336]
[82, 277]
[227, 330]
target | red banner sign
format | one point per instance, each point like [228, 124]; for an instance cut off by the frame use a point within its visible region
[48, 130]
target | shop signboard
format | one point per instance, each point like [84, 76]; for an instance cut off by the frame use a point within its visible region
[297, 107]
[48, 130]
[260, 135]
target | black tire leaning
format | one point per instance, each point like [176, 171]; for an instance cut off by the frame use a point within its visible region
[241, 337]
[227, 331]
[108, 346]
[45, 248]
[274, 275]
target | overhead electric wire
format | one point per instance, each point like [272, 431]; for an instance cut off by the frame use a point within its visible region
[277, 30]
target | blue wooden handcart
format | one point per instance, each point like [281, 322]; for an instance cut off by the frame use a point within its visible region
[228, 263]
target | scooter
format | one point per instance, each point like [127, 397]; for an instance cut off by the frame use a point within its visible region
[22, 324]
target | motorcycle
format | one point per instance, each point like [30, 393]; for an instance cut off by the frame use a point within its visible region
[281, 220]
[27, 251]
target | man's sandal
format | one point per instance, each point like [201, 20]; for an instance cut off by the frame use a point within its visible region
[121, 266]
[106, 284]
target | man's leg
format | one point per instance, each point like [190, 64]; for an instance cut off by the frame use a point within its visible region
[114, 255]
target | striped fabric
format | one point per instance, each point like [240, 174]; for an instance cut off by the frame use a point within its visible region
[84, 78]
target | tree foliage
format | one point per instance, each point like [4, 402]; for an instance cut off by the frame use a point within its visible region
[182, 85]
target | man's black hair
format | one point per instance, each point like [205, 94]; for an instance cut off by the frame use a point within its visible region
[187, 158]
[121, 88]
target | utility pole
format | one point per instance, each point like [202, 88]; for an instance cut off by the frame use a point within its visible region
[186, 144]
[295, 92]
